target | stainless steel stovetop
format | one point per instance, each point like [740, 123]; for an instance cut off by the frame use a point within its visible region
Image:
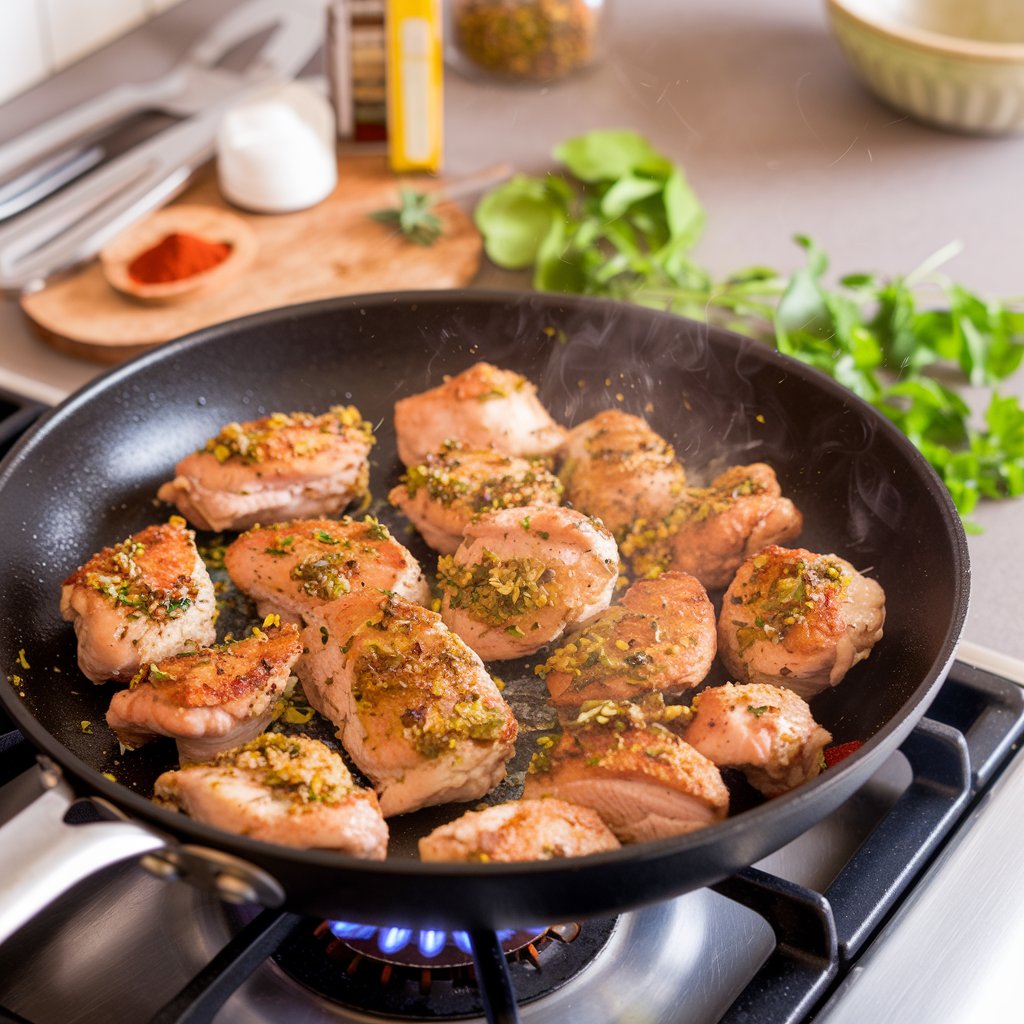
[937, 821]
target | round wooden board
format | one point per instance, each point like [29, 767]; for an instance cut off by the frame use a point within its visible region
[331, 249]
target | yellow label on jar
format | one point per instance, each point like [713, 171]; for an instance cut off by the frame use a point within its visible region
[415, 75]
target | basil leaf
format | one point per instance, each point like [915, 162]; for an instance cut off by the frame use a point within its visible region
[610, 155]
[515, 218]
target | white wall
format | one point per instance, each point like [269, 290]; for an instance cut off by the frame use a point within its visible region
[39, 37]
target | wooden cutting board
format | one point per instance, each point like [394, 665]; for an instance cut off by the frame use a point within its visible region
[331, 249]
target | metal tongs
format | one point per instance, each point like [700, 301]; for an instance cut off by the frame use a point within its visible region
[51, 232]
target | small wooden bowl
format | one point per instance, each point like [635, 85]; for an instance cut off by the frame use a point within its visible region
[206, 222]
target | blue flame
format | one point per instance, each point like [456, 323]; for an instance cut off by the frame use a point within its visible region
[429, 941]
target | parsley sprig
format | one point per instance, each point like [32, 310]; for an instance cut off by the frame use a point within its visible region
[623, 222]
[413, 217]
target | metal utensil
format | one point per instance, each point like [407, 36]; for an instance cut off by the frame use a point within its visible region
[68, 228]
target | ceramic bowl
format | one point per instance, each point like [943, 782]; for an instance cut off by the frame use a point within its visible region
[207, 222]
[953, 63]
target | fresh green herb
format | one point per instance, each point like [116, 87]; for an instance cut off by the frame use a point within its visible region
[157, 675]
[326, 538]
[759, 711]
[622, 222]
[412, 217]
[281, 547]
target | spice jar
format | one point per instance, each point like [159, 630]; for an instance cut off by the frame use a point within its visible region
[526, 40]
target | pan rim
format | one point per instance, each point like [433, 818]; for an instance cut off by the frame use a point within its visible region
[879, 746]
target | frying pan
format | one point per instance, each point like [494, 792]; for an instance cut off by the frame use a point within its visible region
[86, 477]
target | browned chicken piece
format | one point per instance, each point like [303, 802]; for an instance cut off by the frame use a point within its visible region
[767, 732]
[283, 466]
[139, 601]
[617, 468]
[713, 529]
[292, 568]
[209, 700]
[644, 781]
[414, 706]
[800, 620]
[484, 407]
[520, 830]
[660, 637]
[522, 576]
[281, 789]
[447, 490]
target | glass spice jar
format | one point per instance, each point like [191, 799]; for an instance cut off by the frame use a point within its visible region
[526, 40]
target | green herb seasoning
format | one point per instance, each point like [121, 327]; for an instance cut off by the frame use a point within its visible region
[784, 591]
[117, 574]
[431, 684]
[474, 481]
[285, 435]
[496, 590]
[325, 576]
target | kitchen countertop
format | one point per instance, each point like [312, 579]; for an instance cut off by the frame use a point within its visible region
[777, 136]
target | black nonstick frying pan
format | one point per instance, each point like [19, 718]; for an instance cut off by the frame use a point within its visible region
[86, 477]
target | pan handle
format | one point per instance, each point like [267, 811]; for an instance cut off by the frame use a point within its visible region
[42, 856]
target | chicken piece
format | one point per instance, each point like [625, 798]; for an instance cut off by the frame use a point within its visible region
[139, 601]
[484, 407]
[209, 700]
[520, 830]
[522, 576]
[281, 789]
[644, 781]
[292, 568]
[283, 466]
[713, 529]
[796, 619]
[452, 486]
[661, 637]
[414, 706]
[767, 732]
[617, 468]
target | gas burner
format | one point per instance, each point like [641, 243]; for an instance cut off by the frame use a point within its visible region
[432, 948]
[428, 974]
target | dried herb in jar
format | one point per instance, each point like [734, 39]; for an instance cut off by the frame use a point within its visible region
[532, 40]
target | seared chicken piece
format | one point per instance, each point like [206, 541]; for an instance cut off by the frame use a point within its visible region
[800, 620]
[520, 830]
[661, 637]
[522, 576]
[767, 732]
[644, 781]
[617, 468]
[209, 700]
[281, 789]
[139, 601]
[283, 466]
[414, 706]
[450, 487]
[713, 529]
[292, 568]
[484, 407]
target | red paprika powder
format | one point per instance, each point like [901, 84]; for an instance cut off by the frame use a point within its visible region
[177, 256]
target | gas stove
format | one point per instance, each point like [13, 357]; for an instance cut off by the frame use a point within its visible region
[842, 922]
